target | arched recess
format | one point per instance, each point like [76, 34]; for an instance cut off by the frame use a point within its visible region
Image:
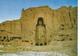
[40, 37]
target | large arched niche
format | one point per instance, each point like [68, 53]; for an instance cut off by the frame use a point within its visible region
[40, 33]
[40, 21]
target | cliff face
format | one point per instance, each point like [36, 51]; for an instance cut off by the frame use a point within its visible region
[60, 23]
[58, 30]
[13, 28]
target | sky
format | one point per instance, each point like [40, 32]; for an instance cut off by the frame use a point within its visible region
[11, 9]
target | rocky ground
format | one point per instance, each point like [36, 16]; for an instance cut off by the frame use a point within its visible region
[61, 48]
[35, 54]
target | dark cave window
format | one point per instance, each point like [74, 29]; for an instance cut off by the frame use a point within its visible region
[41, 44]
[37, 44]
[45, 43]
[26, 41]
[4, 37]
[70, 38]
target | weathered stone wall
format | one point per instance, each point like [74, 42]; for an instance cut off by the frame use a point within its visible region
[11, 27]
[61, 31]
[60, 23]
[29, 20]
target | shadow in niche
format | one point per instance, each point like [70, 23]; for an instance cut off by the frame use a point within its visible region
[40, 22]
[40, 28]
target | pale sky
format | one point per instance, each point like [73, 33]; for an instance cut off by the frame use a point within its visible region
[11, 9]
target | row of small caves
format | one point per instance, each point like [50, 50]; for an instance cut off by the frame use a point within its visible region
[40, 22]
[6, 39]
